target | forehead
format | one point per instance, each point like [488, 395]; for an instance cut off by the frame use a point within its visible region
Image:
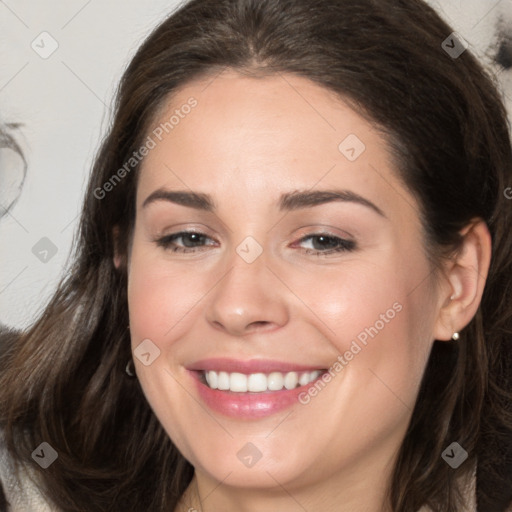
[266, 134]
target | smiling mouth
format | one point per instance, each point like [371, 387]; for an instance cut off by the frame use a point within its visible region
[252, 389]
[257, 382]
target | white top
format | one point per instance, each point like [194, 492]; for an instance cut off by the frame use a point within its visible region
[24, 495]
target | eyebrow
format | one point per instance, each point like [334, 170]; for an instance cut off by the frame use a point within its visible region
[289, 201]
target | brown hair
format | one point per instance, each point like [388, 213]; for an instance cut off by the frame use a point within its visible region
[64, 381]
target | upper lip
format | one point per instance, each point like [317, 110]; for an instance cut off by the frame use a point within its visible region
[223, 364]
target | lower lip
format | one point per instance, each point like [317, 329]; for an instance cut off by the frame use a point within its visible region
[249, 405]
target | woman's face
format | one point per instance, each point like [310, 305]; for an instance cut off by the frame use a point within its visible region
[308, 256]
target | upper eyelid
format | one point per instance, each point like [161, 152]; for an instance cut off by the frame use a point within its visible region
[202, 233]
[320, 230]
[300, 238]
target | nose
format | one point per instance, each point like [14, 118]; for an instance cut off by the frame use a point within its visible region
[248, 299]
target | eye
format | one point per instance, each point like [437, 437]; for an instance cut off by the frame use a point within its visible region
[183, 241]
[192, 241]
[325, 243]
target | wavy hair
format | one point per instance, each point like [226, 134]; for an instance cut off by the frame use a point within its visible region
[63, 381]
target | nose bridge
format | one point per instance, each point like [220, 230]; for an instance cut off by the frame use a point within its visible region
[248, 296]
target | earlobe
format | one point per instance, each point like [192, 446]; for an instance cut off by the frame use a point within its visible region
[466, 275]
[117, 259]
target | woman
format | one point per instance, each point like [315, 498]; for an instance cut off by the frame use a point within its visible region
[297, 226]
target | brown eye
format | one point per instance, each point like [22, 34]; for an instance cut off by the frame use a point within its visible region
[184, 241]
[324, 243]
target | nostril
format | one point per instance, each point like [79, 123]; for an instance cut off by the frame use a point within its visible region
[504, 55]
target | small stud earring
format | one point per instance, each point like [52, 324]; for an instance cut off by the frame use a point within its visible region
[455, 336]
[130, 368]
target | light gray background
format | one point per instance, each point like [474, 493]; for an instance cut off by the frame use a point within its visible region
[63, 103]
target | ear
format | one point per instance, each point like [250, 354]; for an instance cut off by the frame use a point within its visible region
[466, 274]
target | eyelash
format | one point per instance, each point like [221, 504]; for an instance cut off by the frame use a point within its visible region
[344, 245]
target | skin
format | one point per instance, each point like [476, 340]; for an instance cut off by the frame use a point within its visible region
[247, 142]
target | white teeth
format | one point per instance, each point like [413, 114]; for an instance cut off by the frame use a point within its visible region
[258, 382]
[238, 382]
[275, 381]
[303, 380]
[222, 380]
[212, 378]
[291, 380]
[314, 375]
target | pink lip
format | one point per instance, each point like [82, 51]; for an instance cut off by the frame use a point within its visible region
[247, 405]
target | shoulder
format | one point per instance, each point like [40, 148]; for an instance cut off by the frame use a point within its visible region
[20, 490]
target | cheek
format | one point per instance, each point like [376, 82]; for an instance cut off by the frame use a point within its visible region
[379, 317]
[358, 298]
[148, 302]
[160, 294]
[161, 303]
